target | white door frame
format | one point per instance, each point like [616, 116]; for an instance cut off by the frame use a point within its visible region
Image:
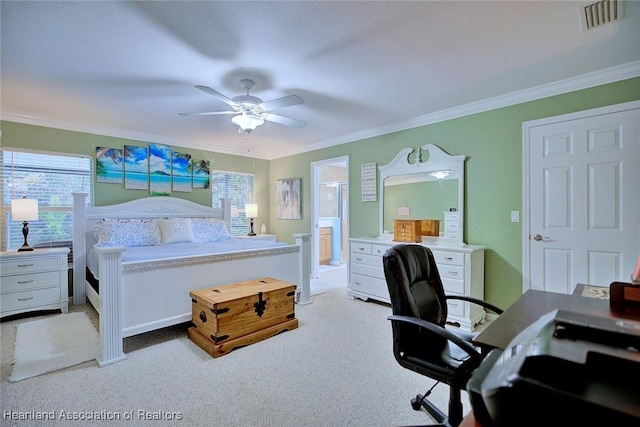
[315, 208]
[526, 173]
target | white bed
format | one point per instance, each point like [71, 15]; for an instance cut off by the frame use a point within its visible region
[143, 288]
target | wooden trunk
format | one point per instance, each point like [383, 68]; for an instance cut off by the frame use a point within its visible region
[242, 313]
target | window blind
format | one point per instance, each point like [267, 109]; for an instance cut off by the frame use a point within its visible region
[50, 179]
[240, 188]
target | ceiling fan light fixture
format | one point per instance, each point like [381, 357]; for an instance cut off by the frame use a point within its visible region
[247, 121]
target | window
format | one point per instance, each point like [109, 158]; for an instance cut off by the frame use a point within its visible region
[240, 188]
[51, 179]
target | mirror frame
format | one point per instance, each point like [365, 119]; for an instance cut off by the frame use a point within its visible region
[437, 160]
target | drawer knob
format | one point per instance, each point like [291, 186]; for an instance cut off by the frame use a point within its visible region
[448, 258]
[25, 265]
[453, 273]
[22, 282]
[25, 299]
[358, 259]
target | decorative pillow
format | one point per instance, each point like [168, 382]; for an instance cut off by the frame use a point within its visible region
[176, 230]
[126, 232]
[209, 230]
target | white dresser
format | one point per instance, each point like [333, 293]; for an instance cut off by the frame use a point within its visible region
[461, 269]
[34, 280]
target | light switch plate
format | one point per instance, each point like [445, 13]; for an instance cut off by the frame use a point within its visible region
[515, 216]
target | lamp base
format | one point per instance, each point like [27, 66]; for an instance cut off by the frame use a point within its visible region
[25, 232]
[251, 233]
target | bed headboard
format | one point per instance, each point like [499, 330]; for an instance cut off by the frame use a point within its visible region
[84, 217]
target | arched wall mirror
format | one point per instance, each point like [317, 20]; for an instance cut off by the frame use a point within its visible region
[428, 184]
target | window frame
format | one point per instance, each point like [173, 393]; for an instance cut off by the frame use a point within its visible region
[8, 192]
[239, 222]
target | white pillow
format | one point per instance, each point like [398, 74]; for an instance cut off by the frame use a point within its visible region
[126, 232]
[176, 230]
[209, 230]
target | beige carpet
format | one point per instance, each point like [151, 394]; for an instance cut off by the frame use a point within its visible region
[53, 343]
[336, 369]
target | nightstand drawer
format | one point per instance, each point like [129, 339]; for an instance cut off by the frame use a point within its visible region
[455, 307]
[31, 281]
[17, 300]
[30, 265]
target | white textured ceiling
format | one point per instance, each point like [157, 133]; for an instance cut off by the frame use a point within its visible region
[363, 68]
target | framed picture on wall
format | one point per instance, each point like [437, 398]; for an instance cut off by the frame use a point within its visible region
[288, 200]
[109, 165]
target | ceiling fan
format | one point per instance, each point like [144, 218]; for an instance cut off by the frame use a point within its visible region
[249, 111]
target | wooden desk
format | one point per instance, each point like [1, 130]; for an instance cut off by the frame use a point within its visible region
[530, 307]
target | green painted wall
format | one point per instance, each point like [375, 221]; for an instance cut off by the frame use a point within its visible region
[491, 140]
[16, 135]
[493, 188]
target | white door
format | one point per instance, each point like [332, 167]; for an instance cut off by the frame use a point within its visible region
[583, 212]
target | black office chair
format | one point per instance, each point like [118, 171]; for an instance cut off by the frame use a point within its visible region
[420, 341]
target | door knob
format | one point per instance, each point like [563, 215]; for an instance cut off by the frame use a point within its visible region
[540, 237]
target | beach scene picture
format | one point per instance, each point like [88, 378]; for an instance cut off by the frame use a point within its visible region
[109, 165]
[181, 172]
[159, 170]
[201, 173]
[136, 168]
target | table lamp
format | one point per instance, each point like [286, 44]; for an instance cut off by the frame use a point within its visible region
[24, 210]
[251, 211]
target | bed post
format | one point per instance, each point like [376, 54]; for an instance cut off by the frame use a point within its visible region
[110, 277]
[304, 241]
[79, 248]
[226, 209]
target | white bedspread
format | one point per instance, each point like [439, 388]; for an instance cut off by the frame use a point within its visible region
[172, 251]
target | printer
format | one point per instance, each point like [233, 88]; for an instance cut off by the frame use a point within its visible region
[565, 369]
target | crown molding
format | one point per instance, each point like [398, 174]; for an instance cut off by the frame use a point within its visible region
[584, 81]
[11, 116]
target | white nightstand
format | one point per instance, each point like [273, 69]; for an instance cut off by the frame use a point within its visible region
[34, 280]
[270, 237]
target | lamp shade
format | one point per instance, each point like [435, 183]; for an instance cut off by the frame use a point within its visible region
[247, 121]
[251, 210]
[24, 209]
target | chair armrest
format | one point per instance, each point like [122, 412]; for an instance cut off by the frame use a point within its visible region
[473, 300]
[437, 329]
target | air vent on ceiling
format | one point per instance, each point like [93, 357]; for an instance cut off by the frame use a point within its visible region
[597, 14]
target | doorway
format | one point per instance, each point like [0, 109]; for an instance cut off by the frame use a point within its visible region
[581, 210]
[330, 213]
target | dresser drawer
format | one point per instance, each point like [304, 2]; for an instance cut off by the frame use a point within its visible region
[453, 286]
[455, 307]
[374, 260]
[31, 265]
[30, 281]
[451, 271]
[368, 270]
[449, 258]
[18, 300]
[378, 250]
[360, 248]
[370, 285]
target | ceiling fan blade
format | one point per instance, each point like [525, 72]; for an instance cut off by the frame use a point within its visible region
[220, 96]
[285, 101]
[208, 113]
[284, 120]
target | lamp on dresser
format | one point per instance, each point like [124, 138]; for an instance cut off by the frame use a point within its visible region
[251, 211]
[24, 210]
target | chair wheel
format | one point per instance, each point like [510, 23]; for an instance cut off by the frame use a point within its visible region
[416, 403]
